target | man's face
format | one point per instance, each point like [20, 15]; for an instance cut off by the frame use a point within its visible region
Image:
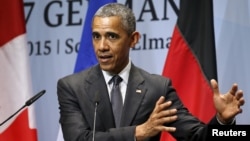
[111, 43]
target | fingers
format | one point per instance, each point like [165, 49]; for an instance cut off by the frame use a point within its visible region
[161, 104]
[234, 89]
[160, 100]
[215, 87]
[167, 113]
[167, 129]
[162, 121]
[216, 91]
[241, 102]
[239, 97]
[162, 114]
[166, 116]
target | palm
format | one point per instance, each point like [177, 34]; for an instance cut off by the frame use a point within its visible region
[227, 105]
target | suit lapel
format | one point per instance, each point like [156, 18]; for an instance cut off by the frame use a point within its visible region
[135, 92]
[96, 85]
[134, 95]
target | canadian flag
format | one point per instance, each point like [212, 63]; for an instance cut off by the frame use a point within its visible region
[15, 80]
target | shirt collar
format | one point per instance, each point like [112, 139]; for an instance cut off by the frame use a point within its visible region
[124, 74]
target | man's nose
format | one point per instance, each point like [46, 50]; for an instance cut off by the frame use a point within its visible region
[103, 44]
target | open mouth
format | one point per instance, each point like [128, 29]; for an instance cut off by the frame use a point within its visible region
[105, 58]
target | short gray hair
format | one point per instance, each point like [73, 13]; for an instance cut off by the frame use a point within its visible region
[116, 9]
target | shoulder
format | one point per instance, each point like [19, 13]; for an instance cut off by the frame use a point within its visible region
[150, 77]
[80, 76]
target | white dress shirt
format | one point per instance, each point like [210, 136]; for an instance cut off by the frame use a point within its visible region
[124, 74]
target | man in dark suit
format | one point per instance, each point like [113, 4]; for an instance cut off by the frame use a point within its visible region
[150, 103]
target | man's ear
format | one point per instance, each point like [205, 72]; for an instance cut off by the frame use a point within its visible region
[135, 36]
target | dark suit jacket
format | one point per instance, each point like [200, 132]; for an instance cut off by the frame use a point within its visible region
[76, 95]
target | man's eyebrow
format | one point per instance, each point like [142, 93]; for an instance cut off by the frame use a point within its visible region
[111, 33]
[95, 33]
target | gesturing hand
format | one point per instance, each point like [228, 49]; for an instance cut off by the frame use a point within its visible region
[156, 121]
[227, 105]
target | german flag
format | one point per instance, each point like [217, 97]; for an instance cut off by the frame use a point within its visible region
[191, 59]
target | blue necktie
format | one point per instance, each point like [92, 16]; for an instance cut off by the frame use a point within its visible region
[116, 99]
